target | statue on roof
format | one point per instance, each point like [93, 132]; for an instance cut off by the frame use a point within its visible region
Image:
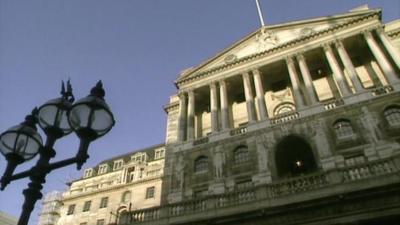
[265, 38]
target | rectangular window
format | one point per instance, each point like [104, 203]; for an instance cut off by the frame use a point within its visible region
[100, 222]
[141, 172]
[103, 169]
[86, 206]
[71, 209]
[150, 192]
[104, 202]
[117, 164]
[131, 176]
[162, 152]
[88, 172]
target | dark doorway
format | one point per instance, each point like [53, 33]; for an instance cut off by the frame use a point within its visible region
[124, 218]
[294, 157]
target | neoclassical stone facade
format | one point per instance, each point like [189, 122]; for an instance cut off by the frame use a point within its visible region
[296, 123]
[290, 118]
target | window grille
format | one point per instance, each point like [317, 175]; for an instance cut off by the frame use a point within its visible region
[150, 192]
[201, 164]
[71, 209]
[392, 116]
[343, 128]
[86, 206]
[241, 155]
[104, 202]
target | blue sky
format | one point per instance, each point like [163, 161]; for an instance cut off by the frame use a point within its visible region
[136, 47]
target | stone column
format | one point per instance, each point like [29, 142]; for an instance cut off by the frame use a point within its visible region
[295, 83]
[214, 107]
[345, 58]
[224, 105]
[251, 113]
[262, 109]
[182, 117]
[305, 73]
[190, 116]
[336, 70]
[394, 53]
[380, 57]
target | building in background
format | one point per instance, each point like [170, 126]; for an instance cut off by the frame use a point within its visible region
[6, 219]
[296, 123]
[108, 191]
[51, 206]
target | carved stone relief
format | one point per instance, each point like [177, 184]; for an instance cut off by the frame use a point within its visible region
[180, 172]
[219, 162]
[266, 38]
[320, 138]
[370, 123]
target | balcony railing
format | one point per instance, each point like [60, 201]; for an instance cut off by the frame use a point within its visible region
[382, 90]
[239, 130]
[298, 184]
[271, 192]
[368, 170]
[200, 141]
[284, 118]
[333, 104]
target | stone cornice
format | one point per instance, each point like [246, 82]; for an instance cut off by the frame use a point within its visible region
[394, 34]
[293, 43]
[171, 106]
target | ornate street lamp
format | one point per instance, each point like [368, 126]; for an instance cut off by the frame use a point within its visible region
[90, 118]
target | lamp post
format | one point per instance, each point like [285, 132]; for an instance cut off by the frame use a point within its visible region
[90, 118]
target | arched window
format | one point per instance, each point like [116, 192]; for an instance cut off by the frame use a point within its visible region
[201, 164]
[294, 157]
[241, 154]
[126, 197]
[284, 108]
[392, 115]
[343, 128]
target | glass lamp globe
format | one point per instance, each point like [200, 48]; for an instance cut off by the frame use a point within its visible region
[21, 141]
[53, 117]
[90, 117]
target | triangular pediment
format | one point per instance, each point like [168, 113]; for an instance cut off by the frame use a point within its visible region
[269, 37]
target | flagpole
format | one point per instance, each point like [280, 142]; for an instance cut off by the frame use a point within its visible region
[260, 13]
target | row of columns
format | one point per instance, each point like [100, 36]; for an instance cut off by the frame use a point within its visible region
[187, 115]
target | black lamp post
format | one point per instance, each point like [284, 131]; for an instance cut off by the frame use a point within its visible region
[90, 118]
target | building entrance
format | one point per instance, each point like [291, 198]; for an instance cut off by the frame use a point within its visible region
[294, 157]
